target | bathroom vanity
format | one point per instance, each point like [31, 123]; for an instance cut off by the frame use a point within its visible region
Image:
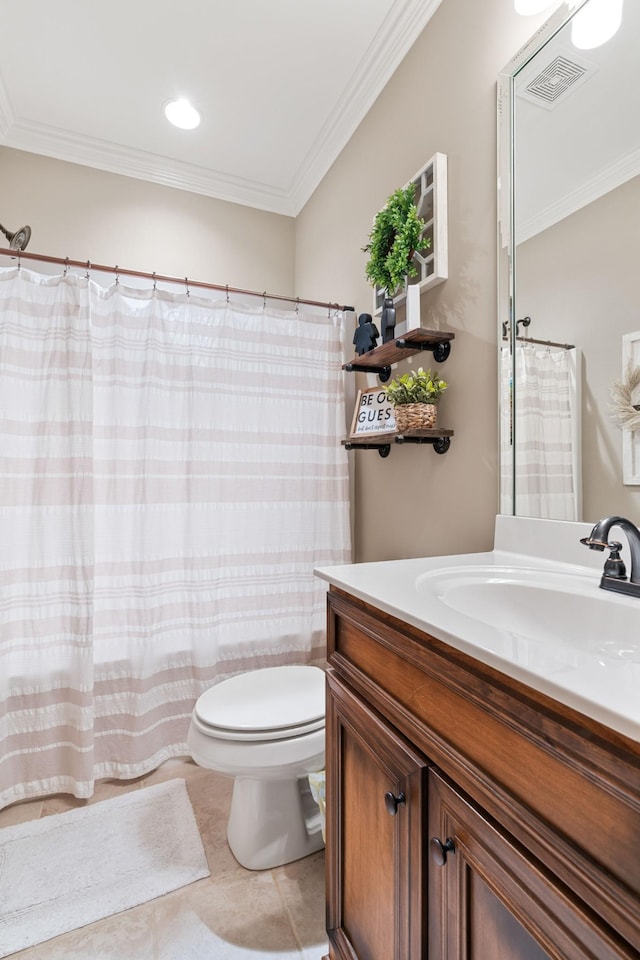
[483, 795]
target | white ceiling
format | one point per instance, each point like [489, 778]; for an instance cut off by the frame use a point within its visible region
[280, 85]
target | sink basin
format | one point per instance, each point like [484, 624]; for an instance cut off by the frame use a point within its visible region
[537, 606]
[531, 608]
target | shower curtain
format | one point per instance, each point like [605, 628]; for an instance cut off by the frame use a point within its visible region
[545, 454]
[171, 474]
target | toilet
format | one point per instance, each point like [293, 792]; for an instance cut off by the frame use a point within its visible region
[266, 729]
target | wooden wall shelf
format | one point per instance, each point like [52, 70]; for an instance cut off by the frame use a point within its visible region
[439, 439]
[380, 359]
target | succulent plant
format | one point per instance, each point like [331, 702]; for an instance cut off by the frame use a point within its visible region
[419, 386]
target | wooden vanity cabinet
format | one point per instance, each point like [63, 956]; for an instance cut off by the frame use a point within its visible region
[468, 816]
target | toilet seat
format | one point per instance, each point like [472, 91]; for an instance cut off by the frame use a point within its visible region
[275, 703]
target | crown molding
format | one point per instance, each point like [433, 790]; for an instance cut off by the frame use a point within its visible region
[6, 113]
[603, 182]
[397, 34]
[103, 155]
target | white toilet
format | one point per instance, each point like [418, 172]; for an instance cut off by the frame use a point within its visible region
[266, 729]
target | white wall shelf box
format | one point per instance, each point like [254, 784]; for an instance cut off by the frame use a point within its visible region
[431, 202]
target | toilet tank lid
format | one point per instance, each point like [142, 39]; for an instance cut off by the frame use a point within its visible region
[268, 699]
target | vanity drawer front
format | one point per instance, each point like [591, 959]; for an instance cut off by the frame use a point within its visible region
[555, 783]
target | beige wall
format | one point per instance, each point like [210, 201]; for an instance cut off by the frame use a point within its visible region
[81, 213]
[578, 282]
[441, 99]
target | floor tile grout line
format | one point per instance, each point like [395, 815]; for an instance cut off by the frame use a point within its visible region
[287, 912]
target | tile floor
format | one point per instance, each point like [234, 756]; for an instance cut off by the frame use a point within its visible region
[235, 914]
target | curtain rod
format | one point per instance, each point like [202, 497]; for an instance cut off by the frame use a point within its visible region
[120, 271]
[544, 343]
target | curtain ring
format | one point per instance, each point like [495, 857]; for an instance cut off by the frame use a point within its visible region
[186, 280]
[155, 282]
[227, 289]
[297, 304]
[66, 266]
[117, 275]
[264, 300]
[86, 276]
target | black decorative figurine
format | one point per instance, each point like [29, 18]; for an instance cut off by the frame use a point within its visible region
[388, 320]
[365, 336]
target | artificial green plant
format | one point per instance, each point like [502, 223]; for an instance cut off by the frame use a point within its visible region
[419, 386]
[395, 237]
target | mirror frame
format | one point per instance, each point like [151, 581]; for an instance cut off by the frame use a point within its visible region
[506, 252]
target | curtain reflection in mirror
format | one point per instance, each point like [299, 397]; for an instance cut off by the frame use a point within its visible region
[546, 454]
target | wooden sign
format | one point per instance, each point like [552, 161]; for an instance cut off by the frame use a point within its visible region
[373, 413]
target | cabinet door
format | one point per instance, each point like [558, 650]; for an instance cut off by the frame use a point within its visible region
[376, 786]
[489, 900]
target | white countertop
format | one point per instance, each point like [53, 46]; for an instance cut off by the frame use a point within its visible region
[584, 670]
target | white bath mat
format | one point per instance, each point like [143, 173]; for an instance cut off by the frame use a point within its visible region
[70, 869]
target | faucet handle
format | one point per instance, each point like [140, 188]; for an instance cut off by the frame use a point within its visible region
[614, 565]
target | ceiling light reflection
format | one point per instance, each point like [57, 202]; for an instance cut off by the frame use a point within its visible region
[595, 23]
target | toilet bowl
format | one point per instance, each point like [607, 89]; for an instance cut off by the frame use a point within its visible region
[266, 729]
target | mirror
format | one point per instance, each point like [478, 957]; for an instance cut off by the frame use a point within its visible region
[568, 280]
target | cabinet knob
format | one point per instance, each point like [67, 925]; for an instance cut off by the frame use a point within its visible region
[392, 802]
[439, 850]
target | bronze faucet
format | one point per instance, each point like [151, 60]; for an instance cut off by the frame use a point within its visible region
[614, 576]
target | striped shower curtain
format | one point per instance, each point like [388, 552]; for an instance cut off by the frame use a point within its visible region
[541, 451]
[170, 475]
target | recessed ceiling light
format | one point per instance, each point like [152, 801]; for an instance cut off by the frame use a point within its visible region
[181, 114]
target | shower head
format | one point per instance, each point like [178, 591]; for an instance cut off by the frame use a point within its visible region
[19, 239]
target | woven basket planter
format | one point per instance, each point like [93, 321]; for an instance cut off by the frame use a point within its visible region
[415, 416]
